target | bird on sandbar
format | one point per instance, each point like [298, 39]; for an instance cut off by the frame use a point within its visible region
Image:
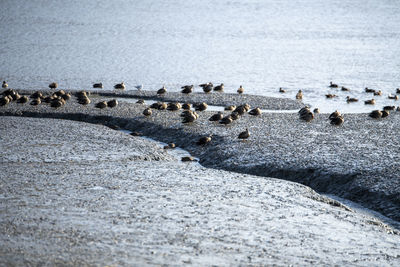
[101, 104]
[201, 107]
[216, 117]
[190, 117]
[112, 103]
[147, 112]
[120, 86]
[235, 116]
[161, 91]
[170, 146]
[162, 106]
[23, 99]
[335, 114]
[255, 112]
[187, 89]
[97, 85]
[244, 135]
[53, 85]
[140, 101]
[385, 113]
[316, 110]
[186, 106]
[226, 120]
[240, 90]
[299, 95]
[204, 140]
[4, 85]
[370, 102]
[56, 103]
[337, 120]
[333, 85]
[375, 114]
[188, 159]
[36, 102]
[230, 107]
[208, 88]
[307, 116]
[219, 88]
[174, 106]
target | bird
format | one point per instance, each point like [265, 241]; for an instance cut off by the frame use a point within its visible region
[4, 85]
[368, 90]
[345, 89]
[186, 106]
[316, 110]
[187, 89]
[375, 114]
[304, 110]
[244, 135]
[397, 90]
[389, 108]
[161, 91]
[307, 116]
[120, 86]
[207, 89]
[230, 107]
[241, 109]
[255, 112]
[395, 97]
[36, 94]
[174, 106]
[330, 95]
[235, 116]
[282, 90]
[201, 107]
[299, 95]
[370, 102]
[226, 120]
[162, 106]
[385, 113]
[204, 140]
[134, 133]
[216, 117]
[23, 99]
[378, 92]
[4, 101]
[351, 99]
[56, 103]
[53, 85]
[204, 84]
[147, 112]
[240, 90]
[188, 159]
[333, 85]
[35, 102]
[190, 117]
[112, 103]
[140, 101]
[335, 114]
[101, 104]
[170, 146]
[84, 101]
[66, 96]
[97, 85]
[139, 87]
[337, 120]
[219, 88]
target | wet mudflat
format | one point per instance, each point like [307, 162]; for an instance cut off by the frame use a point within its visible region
[77, 193]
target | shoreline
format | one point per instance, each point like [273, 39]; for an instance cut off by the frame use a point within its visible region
[345, 161]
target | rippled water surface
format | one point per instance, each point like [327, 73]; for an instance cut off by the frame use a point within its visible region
[261, 44]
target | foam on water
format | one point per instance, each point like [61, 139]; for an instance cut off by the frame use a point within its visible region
[262, 45]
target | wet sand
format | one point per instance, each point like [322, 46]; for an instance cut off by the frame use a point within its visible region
[82, 194]
[356, 161]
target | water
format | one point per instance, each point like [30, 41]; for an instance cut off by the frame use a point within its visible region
[262, 45]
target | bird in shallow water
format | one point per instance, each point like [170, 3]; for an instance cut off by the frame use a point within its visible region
[395, 97]
[378, 92]
[120, 86]
[389, 108]
[4, 85]
[370, 102]
[244, 135]
[240, 90]
[281, 90]
[299, 95]
[351, 99]
[97, 85]
[397, 90]
[204, 140]
[316, 111]
[368, 90]
[219, 88]
[333, 85]
[345, 89]
[161, 91]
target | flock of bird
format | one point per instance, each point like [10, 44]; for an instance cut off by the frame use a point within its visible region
[190, 111]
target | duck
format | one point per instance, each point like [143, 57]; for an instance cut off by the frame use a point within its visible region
[97, 85]
[335, 114]
[316, 111]
[81, 94]
[345, 89]
[240, 109]
[216, 117]
[226, 120]
[162, 106]
[255, 112]
[190, 117]
[53, 85]
[244, 135]
[112, 103]
[299, 95]
[368, 90]
[120, 86]
[140, 101]
[230, 107]
[4, 101]
[84, 101]
[304, 110]
[147, 112]
[186, 106]
[307, 116]
[188, 159]
[240, 90]
[203, 85]
[101, 104]
[397, 90]
[56, 103]
[4, 85]
[378, 92]
[134, 133]
[161, 91]
[282, 90]
[219, 88]
[204, 140]
[375, 114]
[23, 99]
[330, 95]
[398, 108]
[389, 108]
[207, 89]
[351, 99]
[395, 97]
[174, 106]
[385, 113]
[36, 102]
[187, 89]
[66, 96]
[155, 105]
[370, 102]
[337, 120]
[201, 107]
[333, 85]
[235, 116]
[36, 94]
[170, 146]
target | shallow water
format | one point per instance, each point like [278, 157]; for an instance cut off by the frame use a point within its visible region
[263, 45]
